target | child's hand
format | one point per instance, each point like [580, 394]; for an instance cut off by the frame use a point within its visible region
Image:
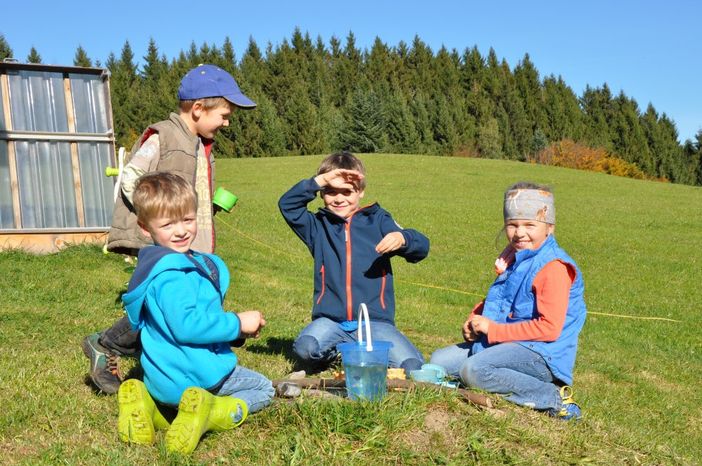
[392, 242]
[480, 324]
[340, 179]
[251, 323]
[468, 334]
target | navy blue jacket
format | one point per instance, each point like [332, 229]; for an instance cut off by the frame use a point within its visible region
[347, 270]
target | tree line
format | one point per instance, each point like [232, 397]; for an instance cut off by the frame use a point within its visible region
[315, 97]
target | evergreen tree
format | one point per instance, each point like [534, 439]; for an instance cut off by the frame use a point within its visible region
[564, 117]
[629, 140]
[692, 153]
[419, 63]
[159, 88]
[379, 65]
[446, 71]
[345, 70]
[81, 58]
[5, 49]
[530, 91]
[33, 56]
[673, 164]
[598, 112]
[363, 130]
[516, 129]
[402, 136]
[255, 133]
[303, 128]
[472, 70]
[489, 139]
[125, 91]
[253, 68]
[443, 128]
[539, 142]
[419, 107]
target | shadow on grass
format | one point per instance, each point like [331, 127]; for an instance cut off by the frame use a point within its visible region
[284, 347]
[273, 345]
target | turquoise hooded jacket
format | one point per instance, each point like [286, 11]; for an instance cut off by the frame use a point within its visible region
[175, 301]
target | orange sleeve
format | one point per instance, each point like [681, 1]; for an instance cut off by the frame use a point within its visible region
[552, 289]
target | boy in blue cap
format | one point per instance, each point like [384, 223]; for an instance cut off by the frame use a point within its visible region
[182, 144]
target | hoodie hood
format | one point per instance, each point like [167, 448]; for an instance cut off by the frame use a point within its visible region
[153, 260]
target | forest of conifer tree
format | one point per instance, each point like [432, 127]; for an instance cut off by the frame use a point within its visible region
[315, 97]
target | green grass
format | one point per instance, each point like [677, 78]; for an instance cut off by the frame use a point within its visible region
[637, 380]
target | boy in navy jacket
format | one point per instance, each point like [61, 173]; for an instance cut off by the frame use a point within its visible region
[352, 247]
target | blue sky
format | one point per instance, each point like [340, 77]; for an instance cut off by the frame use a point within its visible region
[649, 49]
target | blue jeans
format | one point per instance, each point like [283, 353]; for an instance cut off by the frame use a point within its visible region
[256, 390]
[317, 342]
[509, 369]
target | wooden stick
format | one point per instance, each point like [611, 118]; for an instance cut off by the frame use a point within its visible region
[323, 384]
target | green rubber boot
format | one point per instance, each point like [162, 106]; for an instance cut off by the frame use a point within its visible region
[139, 418]
[200, 411]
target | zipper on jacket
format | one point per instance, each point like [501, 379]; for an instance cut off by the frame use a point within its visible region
[349, 297]
[321, 271]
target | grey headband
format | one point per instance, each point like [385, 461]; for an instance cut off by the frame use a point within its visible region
[530, 204]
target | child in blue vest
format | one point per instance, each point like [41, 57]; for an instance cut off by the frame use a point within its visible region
[352, 247]
[175, 300]
[521, 341]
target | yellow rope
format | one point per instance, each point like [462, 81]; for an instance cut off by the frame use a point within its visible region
[623, 316]
[239, 232]
[424, 285]
[441, 288]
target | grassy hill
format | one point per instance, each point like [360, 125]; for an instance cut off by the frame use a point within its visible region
[639, 361]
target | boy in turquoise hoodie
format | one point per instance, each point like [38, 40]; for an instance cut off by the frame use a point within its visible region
[175, 300]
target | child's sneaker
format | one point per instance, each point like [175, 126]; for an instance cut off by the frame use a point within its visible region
[200, 411]
[104, 365]
[569, 409]
[139, 417]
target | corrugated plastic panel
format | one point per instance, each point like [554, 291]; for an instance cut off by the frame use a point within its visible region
[37, 101]
[7, 219]
[47, 193]
[89, 105]
[97, 188]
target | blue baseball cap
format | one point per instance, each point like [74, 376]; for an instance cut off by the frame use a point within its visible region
[212, 81]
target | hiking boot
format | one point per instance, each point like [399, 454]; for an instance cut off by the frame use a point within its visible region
[569, 408]
[139, 418]
[200, 411]
[104, 365]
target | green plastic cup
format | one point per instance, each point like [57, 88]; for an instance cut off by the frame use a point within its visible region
[224, 199]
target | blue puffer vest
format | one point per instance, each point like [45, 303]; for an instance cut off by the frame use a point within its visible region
[511, 299]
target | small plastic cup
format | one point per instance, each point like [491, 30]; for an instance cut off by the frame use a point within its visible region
[440, 370]
[224, 199]
[423, 375]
